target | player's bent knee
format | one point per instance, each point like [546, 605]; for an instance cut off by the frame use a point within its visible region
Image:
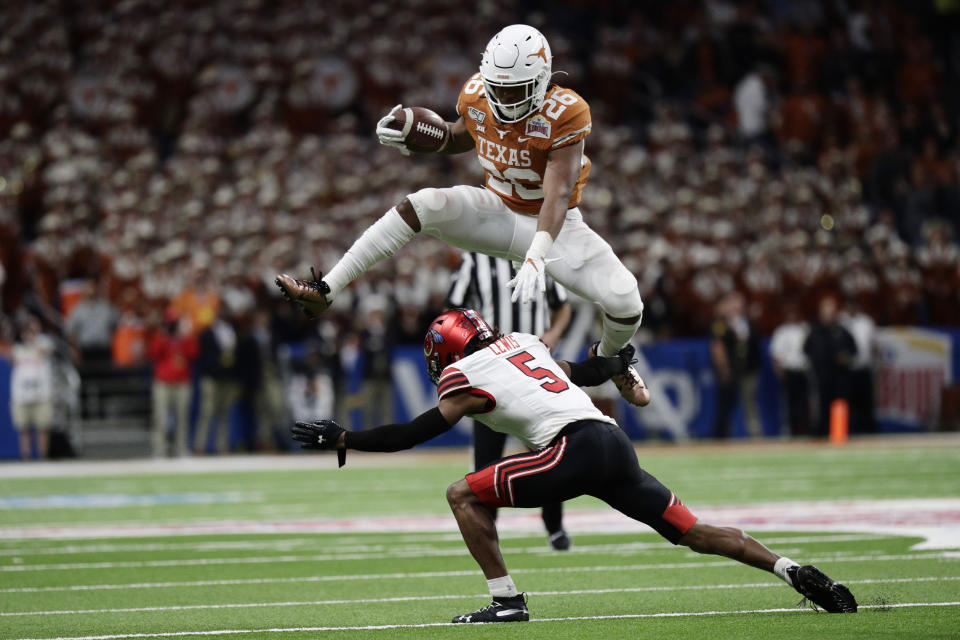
[622, 300]
[459, 493]
[429, 205]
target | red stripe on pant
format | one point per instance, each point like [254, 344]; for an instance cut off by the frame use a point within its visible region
[515, 473]
[486, 483]
[518, 463]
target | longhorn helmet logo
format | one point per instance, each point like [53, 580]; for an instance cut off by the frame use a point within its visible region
[540, 54]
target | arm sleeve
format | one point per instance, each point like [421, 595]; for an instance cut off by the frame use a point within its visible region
[396, 437]
[594, 371]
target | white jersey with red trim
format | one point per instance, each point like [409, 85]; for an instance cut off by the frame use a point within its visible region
[531, 396]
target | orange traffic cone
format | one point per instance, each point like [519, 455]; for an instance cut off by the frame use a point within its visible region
[839, 421]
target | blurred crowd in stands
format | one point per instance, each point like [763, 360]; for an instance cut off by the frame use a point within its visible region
[162, 160]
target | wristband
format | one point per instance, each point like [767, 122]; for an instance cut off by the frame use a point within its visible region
[542, 241]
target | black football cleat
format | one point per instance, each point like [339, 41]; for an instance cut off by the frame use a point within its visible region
[815, 586]
[500, 610]
[560, 541]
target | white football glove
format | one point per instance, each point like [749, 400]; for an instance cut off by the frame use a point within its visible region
[392, 137]
[531, 278]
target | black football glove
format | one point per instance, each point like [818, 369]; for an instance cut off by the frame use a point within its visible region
[627, 356]
[320, 434]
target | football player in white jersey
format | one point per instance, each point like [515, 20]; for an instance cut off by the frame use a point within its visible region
[511, 384]
[528, 134]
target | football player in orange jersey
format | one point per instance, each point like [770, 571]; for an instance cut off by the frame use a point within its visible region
[528, 135]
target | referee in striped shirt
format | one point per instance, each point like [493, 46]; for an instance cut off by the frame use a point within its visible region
[481, 284]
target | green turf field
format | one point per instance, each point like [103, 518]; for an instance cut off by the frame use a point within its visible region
[294, 548]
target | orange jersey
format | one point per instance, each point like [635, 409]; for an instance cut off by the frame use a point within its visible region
[514, 156]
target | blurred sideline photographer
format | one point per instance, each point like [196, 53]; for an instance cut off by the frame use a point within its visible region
[735, 355]
[32, 387]
[792, 367]
[480, 283]
[172, 349]
[831, 351]
[219, 383]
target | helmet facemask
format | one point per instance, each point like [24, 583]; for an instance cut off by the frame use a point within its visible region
[532, 93]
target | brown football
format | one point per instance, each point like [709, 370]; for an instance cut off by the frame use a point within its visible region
[424, 130]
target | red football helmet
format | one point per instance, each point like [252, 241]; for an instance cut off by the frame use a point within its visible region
[449, 338]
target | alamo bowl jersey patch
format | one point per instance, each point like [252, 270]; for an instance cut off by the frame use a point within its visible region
[538, 126]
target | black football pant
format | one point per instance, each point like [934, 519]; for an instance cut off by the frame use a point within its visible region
[488, 447]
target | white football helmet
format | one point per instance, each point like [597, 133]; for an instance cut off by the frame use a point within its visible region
[515, 70]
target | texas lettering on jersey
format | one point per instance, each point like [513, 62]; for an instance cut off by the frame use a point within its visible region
[514, 156]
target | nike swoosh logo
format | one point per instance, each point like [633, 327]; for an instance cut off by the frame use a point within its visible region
[508, 612]
[523, 138]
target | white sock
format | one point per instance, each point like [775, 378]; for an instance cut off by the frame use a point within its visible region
[381, 240]
[502, 587]
[780, 569]
[615, 336]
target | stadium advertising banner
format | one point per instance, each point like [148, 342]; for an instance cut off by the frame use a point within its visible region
[678, 373]
[913, 366]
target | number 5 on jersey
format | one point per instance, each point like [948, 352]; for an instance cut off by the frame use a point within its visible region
[552, 384]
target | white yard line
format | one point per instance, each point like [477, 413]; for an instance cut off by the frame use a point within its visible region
[371, 551]
[470, 572]
[626, 616]
[335, 557]
[312, 603]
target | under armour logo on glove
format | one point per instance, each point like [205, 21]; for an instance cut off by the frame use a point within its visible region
[320, 434]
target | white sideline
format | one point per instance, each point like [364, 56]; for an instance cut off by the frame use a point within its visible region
[142, 564]
[625, 616]
[438, 455]
[465, 572]
[574, 592]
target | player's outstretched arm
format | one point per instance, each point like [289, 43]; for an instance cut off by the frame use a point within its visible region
[597, 370]
[327, 434]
